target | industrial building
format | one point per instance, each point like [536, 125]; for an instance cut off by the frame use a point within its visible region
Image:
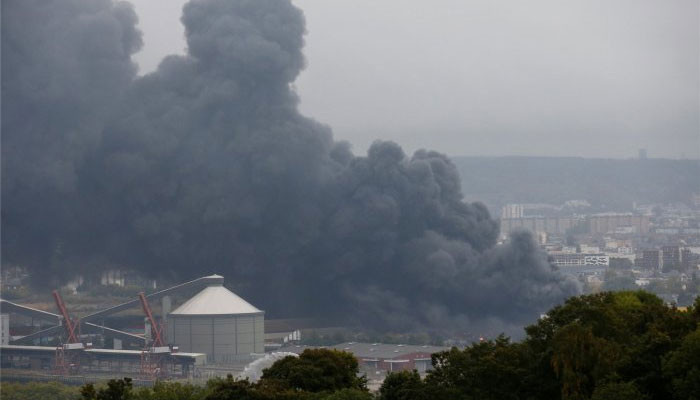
[213, 327]
[380, 358]
[218, 323]
[94, 361]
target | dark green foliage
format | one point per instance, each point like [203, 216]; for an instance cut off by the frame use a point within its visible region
[607, 346]
[492, 369]
[609, 336]
[349, 394]
[316, 370]
[171, 391]
[403, 385]
[36, 390]
[622, 345]
[315, 375]
[682, 368]
[230, 389]
[618, 391]
[116, 389]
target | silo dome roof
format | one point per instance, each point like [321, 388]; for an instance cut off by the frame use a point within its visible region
[215, 300]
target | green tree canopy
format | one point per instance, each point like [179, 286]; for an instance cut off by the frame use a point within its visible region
[316, 370]
[612, 345]
[403, 385]
[606, 346]
[682, 368]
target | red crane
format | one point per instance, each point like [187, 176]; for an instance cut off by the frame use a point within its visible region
[68, 323]
[155, 330]
[67, 359]
[156, 358]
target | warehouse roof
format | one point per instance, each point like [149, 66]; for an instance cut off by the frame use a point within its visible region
[11, 347]
[386, 351]
[376, 351]
[215, 300]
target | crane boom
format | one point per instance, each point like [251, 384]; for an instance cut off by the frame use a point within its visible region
[158, 340]
[68, 323]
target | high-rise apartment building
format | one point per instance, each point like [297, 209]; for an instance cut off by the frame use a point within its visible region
[650, 259]
[671, 257]
[512, 211]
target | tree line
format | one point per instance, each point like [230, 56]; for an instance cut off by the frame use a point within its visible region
[608, 346]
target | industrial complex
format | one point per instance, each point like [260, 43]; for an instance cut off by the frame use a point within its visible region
[213, 332]
[213, 327]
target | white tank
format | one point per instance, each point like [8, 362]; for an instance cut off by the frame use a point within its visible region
[218, 323]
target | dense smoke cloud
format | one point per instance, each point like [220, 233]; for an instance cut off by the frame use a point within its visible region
[65, 65]
[205, 165]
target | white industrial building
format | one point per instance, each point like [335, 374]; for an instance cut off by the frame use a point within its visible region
[218, 323]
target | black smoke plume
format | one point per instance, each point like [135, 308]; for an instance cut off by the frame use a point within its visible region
[206, 165]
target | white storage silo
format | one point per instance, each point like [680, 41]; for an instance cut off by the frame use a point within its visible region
[219, 323]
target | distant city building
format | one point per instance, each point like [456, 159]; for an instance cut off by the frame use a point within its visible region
[687, 259]
[696, 200]
[604, 223]
[113, 277]
[650, 259]
[550, 225]
[625, 250]
[123, 278]
[512, 211]
[598, 224]
[667, 231]
[541, 237]
[613, 243]
[642, 154]
[641, 282]
[577, 203]
[625, 230]
[584, 248]
[562, 259]
[670, 257]
[12, 278]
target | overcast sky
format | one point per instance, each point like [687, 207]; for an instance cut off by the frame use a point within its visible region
[591, 78]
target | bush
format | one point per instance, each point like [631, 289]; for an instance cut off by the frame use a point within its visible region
[37, 390]
[316, 370]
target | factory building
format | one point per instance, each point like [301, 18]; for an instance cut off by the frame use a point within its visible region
[94, 361]
[376, 358]
[223, 327]
[218, 323]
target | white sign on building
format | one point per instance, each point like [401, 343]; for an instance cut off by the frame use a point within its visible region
[596, 260]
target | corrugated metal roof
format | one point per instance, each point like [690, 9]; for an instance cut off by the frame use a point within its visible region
[215, 300]
[387, 351]
[8, 347]
[379, 351]
[115, 351]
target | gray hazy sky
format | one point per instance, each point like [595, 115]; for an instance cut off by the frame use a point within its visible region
[591, 78]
